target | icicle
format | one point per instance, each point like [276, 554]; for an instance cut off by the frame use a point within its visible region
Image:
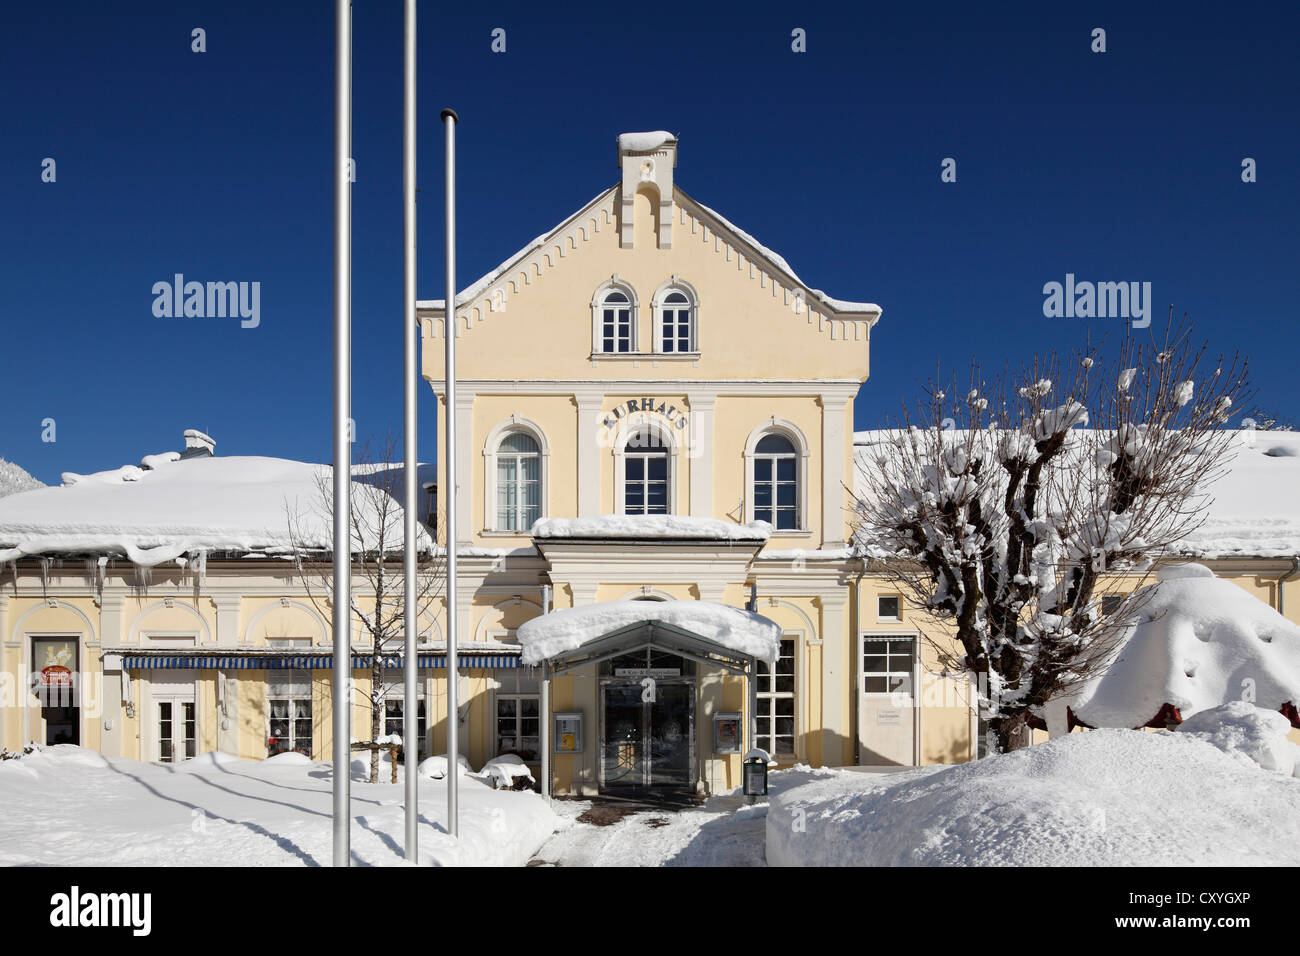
[199, 564]
[46, 561]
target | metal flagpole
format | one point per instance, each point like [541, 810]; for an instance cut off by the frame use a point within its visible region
[342, 698]
[450, 119]
[410, 712]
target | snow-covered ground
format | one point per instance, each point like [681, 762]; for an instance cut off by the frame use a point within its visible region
[66, 805]
[1096, 798]
[724, 831]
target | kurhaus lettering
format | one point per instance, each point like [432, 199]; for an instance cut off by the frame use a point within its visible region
[674, 414]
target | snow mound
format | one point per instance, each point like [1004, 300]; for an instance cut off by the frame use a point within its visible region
[289, 758]
[1249, 732]
[1102, 798]
[206, 761]
[435, 768]
[644, 142]
[503, 771]
[650, 526]
[1180, 572]
[15, 479]
[1199, 642]
[566, 630]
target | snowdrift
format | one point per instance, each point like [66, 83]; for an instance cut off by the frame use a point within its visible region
[1100, 798]
[1200, 642]
[68, 806]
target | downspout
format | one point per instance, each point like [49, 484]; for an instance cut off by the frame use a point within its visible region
[1289, 576]
[857, 660]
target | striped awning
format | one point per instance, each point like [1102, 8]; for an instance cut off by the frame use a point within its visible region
[235, 662]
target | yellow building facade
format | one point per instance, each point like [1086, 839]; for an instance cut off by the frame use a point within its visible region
[637, 390]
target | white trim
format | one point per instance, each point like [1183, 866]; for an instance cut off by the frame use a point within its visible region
[480, 632]
[491, 446]
[56, 604]
[319, 622]
[597, 303]
[646, 592]
[133, 634]
[786, 429]
[629, 426]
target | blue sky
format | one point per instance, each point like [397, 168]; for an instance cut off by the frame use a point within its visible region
[1117, 166]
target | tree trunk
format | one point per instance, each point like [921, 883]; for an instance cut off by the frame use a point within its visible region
[376, 710]
[1012, 731]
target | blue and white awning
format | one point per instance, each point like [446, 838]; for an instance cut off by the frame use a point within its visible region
[210, 661]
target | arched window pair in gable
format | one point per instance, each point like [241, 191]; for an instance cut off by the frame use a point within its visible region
[516, 454]
[615, 310]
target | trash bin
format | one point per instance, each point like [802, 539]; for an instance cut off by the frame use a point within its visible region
[754, 774]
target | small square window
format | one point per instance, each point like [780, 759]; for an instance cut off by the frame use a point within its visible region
[889, 608]
[1110, 603]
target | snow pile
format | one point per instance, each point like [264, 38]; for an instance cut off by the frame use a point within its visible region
[14, 479]
[435, 768]
[1251, 733]
[222, 811]
[1101, 798]
[650, 526]
[566, 630]
[502, 772]
[170, 507]
[1199, 642]
[644, 142]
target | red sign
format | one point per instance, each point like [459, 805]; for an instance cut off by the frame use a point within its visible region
[56, 676]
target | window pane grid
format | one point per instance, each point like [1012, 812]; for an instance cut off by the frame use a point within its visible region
[887, 665]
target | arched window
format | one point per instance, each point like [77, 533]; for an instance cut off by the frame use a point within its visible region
[675, 325]
[675, 311]
[646, 474]
[519, 482]
[617, 332]
[776, 476]
[776, 482]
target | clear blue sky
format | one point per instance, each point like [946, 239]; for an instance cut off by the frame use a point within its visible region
[1117, 166]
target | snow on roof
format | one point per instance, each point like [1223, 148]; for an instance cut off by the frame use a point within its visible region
[777, 261]
[644, 142]
[651, 526]
[171, 507]
[1200, 642]
[471, 292]
[1254, 511]
[553, 634]
[14, 478]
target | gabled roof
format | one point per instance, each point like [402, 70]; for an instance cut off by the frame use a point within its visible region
[719, 223]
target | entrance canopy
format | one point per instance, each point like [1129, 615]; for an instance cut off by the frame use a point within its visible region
[697, 629]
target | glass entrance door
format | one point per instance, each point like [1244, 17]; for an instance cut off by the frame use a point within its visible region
[623, 748]
[669, 749]
[647, 734]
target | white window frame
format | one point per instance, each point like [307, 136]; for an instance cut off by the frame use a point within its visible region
[614, 284]
[676, 284]
[912, 674]
[790, 431]
[292, 642]
[769, 714]
[887, 617]
[491, 446]
[636, 423]
[519, 719]
[177, 703]
[151, 696]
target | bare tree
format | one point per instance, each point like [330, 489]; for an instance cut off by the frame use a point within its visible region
[994, 512]
[377, 545]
